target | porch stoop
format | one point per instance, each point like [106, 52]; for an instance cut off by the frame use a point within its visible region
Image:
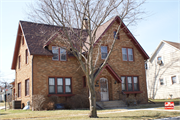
[110, 104]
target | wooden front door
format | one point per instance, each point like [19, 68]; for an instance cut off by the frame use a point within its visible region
[104, 89]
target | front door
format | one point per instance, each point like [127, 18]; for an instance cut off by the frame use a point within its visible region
[104, 89]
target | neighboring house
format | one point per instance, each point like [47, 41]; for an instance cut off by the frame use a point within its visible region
[43, 68]
[163, 71]
[8, 92]
[1, 93]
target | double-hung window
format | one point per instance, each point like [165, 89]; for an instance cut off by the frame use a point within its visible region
[62, 54]
[59, 53]
[123, 83]
[51, 85]
[130, 83]
[19, 65]
[55, 51]
[19, 89]
[117, 36]
[103, 52]
[26, 87]
[26, 57]
[59, 85]
[161, 81]
[127, 54]
[173, 79]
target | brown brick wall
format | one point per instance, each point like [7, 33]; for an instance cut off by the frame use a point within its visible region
[24, 73]
[135, 68]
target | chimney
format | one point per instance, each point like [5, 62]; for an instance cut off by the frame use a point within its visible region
[85, 23]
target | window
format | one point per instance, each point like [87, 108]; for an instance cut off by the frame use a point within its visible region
[55, 51]
[26, 52]
[127, 54]
[129, 79]
[59, 53]
[67, 85]
[63, 54]
[161, 81]
[19, 65]
[22, 38]
[103, 52]
[173, 79]
[159, 58]
[130, 83]
[123, 83]
[51, 85]
[84, 81]
[26, 87]
[117, 37]
[19, 89]
[135, 81]
[59, 85]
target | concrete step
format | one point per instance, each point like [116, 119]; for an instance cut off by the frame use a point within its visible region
[112, 104]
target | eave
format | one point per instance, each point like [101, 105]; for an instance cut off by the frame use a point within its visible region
[112, 72]
[16, 49]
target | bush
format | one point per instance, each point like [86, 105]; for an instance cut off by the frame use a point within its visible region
[50, 103]
[77, 101]
[37, 102]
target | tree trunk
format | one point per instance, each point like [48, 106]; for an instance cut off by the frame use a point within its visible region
[92, 102]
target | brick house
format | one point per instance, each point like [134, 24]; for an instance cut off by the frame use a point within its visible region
[43, 68]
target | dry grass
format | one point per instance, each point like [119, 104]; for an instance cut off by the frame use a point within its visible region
[3, 103]
[83, 114]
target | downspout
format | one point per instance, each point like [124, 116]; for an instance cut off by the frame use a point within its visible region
[32, 83]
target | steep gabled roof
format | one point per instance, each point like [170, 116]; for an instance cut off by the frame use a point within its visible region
[36, 36]
[104, 27]
[173, 44]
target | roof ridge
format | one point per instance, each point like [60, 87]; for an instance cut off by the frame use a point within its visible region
[47, 24]
[171, 41]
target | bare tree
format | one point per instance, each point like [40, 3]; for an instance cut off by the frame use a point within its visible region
[70, 14]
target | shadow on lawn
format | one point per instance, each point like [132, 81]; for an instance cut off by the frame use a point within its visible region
[3, 114]
[147, 117]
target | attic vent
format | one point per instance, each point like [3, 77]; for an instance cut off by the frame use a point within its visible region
[159, 62]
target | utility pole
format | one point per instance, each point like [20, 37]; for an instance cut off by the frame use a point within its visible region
[5, 96]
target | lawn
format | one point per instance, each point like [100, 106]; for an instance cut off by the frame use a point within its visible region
[83, 114]
[158, 103]
[107, 114]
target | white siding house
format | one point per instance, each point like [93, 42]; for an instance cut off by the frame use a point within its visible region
[163, 71]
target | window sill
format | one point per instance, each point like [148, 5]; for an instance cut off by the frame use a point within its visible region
[61, 95]
[132, 92]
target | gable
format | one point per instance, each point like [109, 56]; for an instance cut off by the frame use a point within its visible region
[106, 26]
[165, 47]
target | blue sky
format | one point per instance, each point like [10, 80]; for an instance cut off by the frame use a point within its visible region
[162, 23]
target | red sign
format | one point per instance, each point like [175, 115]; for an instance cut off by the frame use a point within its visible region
[6, 89]
[169, 105]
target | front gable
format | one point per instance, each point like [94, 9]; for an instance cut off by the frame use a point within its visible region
[107, 31]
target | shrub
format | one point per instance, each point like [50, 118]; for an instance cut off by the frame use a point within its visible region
[77, 101]
[37, 102]
[50, 103]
